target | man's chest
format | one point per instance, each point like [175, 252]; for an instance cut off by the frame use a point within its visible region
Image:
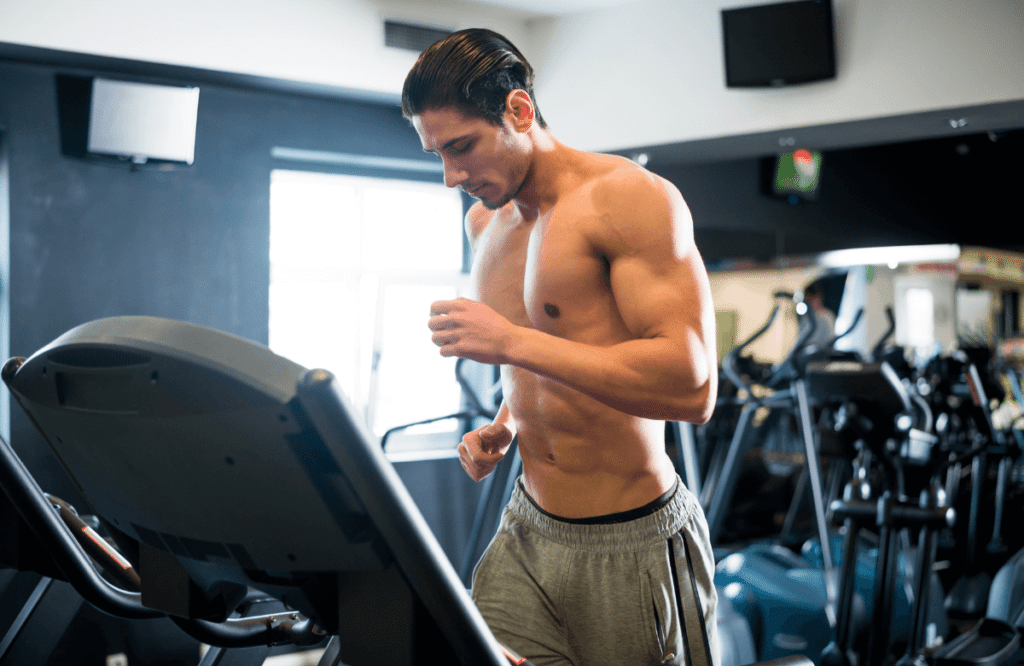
[543, 275]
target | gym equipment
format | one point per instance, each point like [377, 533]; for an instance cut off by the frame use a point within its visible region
[789, 396]
[975, 440]
[497, 487]
[475, 410]
[997, 638]
[904, 441]
[785, 596]
[226, 475]
[870, 400]
[782, 596]
[988, 643]
[1006, 600]
[157, 421]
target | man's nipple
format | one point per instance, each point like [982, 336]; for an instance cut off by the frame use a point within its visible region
[552, 310]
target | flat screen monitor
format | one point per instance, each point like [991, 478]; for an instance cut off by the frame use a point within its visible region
[142, 121]
[230, 467]
[778, 44]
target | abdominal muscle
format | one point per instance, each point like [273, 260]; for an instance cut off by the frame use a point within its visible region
[582, 458]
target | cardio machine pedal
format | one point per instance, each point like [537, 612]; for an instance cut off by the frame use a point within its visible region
[988, 643]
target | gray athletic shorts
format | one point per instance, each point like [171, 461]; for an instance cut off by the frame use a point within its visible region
[562, 592]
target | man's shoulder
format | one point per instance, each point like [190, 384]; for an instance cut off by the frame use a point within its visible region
[630, 201]
[477, 218]
[622, 185]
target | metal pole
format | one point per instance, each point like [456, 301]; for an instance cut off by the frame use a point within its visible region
[814, 469]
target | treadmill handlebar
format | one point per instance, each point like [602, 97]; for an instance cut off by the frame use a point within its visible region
[28, 498]
[116, 566]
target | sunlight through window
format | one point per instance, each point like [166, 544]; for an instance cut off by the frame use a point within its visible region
[354, 265]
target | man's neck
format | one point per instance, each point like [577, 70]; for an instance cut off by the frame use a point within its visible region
[549, 166]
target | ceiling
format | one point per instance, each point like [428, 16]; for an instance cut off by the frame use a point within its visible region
[552, 7]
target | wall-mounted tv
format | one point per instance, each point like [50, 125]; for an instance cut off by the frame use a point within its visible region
[796, 175]
[778, 44]
[126, 121]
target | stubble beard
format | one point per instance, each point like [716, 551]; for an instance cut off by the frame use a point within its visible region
[509, 196]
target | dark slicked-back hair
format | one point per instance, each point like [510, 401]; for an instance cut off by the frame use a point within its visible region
[472, 70]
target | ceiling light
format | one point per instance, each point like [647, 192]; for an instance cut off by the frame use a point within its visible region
[881, 256]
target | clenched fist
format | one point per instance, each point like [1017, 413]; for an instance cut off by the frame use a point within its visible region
[482, 449]
[470, 329]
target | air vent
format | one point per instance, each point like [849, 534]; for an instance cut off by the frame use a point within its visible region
[411, 37]
[96, 357]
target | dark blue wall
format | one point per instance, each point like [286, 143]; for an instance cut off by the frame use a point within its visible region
[92, 240]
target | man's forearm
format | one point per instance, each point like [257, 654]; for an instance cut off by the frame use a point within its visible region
[654, 378]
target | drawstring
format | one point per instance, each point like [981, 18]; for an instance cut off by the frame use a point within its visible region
[696, 596]
[680, 607]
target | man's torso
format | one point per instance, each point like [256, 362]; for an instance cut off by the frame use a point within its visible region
[580, 457]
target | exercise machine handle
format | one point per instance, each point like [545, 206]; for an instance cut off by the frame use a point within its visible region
[729, 362]
[876, 352]
[788, 370]
[849, 329]
[33, 506]
[477, 409]
[116, 566]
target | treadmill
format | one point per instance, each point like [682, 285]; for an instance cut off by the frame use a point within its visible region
[157, 421]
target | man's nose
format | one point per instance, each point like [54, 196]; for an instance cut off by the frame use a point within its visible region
[454, 175]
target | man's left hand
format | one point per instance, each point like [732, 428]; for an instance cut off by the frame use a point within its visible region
[470, 329]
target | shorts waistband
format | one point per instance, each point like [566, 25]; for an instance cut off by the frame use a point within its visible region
[624, 531]
[611, 518]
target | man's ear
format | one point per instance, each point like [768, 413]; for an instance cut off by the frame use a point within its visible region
[519, 110]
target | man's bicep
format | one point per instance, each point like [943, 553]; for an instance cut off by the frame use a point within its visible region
[662, 296]
[673, 309]
[657, 276]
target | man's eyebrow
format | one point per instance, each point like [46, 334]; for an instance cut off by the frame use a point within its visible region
[454, 141]
[448, 144]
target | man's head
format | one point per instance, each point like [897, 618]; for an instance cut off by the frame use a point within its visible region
[471, 70]
[814, 296]
[469, 96]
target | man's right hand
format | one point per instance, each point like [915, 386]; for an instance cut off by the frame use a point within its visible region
[482, 449]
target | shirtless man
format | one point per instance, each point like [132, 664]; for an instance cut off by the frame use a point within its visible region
[594, 301]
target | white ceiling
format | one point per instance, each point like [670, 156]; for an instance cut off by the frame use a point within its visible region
[553, 7]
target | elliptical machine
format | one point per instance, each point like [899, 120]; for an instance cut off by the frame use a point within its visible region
[872, 412]
[783, 391]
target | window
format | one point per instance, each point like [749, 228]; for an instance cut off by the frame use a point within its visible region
[354, 265]
[920, 317]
